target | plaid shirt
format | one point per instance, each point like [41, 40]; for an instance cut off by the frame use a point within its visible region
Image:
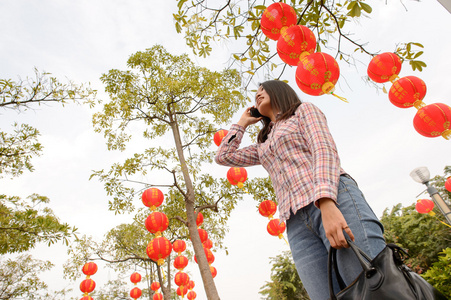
[299, 155]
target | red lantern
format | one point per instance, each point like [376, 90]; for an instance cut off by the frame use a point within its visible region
[295, 42]
[191, 295]
[407, 92]
[237, 176]
[89, 269]
[87, 285]
[448, 184]
[276, 228]
[433, 120]
[135, 278]
[155, 286]
[203, 234]
[317, 74]
[182, 290]
[275, 17]
[191, 285]
[209, 255]
[158, 249]
[181, 278]
[199, 219]
[425, 206]
[86, 298]
[179, 246]
[267, 208]
[384, 67]
[208, 244]
[152, 198]
[213, 271]
[180, 262]
[219, 135]
[135, 293]
[157, 222]
[158, 296]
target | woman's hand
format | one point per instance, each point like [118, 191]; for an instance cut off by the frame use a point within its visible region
[334, 223]
[246, 118]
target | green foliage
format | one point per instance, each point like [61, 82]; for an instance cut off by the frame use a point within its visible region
[285, 283]
[23, 223]
[439, 275]
[19, 279]
[203, 23]
[421, 234]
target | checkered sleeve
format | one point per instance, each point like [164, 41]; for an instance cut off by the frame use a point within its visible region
[228, 153]
[326, 162]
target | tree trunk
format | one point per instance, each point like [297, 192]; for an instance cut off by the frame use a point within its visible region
[207, 278]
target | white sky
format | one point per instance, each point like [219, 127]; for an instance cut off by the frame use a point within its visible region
[82, 39]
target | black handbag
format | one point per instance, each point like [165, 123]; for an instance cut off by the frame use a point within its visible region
[384, 277]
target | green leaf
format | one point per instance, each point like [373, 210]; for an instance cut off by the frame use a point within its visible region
[366, 7]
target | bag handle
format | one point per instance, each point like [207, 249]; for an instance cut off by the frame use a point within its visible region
[364, 259]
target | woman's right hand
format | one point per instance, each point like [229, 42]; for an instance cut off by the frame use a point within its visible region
[246, 118]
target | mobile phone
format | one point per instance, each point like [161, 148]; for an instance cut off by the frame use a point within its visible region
[255, 113]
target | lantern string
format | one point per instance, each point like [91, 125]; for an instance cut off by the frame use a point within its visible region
[442, 221]
[341, 98]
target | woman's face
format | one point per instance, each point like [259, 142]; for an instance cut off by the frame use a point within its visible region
[263, 102]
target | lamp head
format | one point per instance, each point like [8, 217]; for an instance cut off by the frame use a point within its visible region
[421, 175]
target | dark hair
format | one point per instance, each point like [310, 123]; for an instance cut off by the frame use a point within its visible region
[283, 99]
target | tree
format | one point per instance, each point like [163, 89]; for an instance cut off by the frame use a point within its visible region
[19, 279]
[171, 98]
[203, 22]
[422, 235]
[439, 275]
[285, 283]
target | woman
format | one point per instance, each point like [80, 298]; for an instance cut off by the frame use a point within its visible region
[316, 198]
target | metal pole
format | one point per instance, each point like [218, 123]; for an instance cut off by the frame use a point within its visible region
[444, 208]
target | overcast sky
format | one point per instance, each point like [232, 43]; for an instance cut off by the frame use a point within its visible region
[82, 39]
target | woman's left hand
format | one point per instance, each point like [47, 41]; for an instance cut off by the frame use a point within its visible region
[334, 223]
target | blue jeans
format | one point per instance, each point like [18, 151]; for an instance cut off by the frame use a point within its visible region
[310, 247]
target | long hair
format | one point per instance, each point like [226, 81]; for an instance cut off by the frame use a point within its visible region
[283, 99]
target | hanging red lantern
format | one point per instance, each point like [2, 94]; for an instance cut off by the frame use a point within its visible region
[448, 184]
[89, 269]
[158, 249]
[182, 290]
[208, 244]
[317, 74]
[276, 228]
[425, 206]
[152, 198]
[267, 208]
[384, 67]
[237, 176]
[180, 262]
[155, 286]
[135, 278]
[294, 43]
[275, 17]
[213, 271]
[135, 293]
[158, 296]
[179, 246]
[181, 278]
[407, 92]
[219, 135]
[191, 295]
[199, 219]
[433, 120]
[209, 255]
[157, 222]
[87, 285]
[203, 234]
[86, 298]
[190, 285]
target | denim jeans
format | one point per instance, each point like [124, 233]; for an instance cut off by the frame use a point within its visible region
[310, 247]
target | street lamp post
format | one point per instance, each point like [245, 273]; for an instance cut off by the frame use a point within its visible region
[423, 176]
